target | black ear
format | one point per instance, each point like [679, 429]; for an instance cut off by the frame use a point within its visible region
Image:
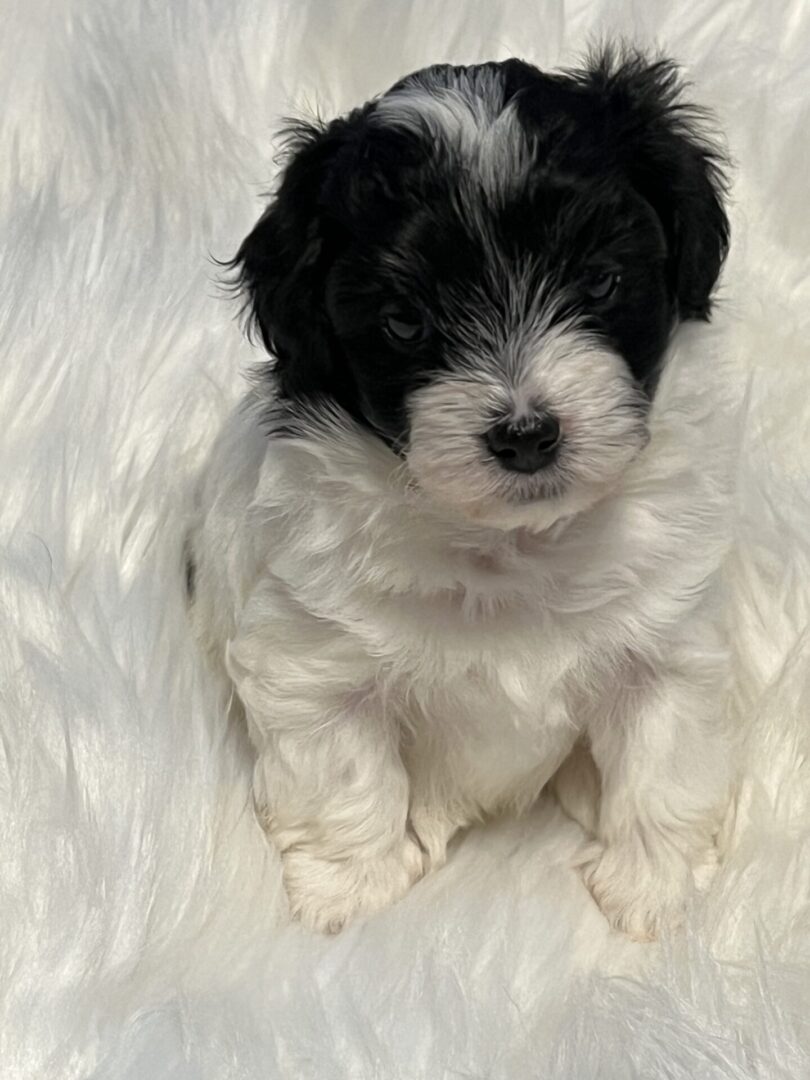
[281, 265]
[661, 146]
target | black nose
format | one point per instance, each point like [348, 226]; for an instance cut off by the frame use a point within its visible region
[525, 445]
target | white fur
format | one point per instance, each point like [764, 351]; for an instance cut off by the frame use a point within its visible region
[472, 124]
[407, 669]
[145, 933]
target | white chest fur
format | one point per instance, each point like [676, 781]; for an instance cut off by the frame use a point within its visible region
[397, 661]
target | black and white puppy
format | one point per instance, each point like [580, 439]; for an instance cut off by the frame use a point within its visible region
[448, 546]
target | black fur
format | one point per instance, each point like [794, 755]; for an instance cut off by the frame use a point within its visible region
[623, 180]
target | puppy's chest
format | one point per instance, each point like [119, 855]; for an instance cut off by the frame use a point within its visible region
[490, 615]
[504, 621]
[494, 732]
[528, 690]
[501, 649]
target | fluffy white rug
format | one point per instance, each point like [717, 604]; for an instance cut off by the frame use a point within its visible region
[143, 928]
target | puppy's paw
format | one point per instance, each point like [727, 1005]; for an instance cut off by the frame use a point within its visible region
[326, 894]
[639, 895]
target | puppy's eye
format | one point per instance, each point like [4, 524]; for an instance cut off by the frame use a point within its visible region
[404, 325]
[602, 286]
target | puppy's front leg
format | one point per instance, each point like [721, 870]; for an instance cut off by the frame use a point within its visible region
[329, 783]
[665, 762]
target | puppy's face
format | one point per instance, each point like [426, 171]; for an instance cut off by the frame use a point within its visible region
[484, 266]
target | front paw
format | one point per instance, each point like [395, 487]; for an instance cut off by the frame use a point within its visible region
[326, 894]
[640, 892]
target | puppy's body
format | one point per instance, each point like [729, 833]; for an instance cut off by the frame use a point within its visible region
[419, 630]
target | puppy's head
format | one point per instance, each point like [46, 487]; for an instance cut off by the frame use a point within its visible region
[484, 266]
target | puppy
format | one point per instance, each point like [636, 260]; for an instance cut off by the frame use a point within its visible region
[468, 519]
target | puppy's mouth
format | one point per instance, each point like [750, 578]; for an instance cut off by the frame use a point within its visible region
[489, 489]
[550, 440]
[549, 484]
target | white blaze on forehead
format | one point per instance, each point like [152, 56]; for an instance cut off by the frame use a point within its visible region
[469, 120]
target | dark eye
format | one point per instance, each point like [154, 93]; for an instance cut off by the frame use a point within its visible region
[404, 325]
[602, 286]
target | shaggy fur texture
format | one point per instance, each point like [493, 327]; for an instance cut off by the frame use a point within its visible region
[454, 530]
[145, 928]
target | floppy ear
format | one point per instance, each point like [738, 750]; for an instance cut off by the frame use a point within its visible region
[660, 145]
[281, 265]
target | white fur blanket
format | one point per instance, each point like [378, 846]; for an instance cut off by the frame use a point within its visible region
[143, 927]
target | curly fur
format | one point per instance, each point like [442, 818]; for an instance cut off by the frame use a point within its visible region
[145, 927]
[420, 622]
